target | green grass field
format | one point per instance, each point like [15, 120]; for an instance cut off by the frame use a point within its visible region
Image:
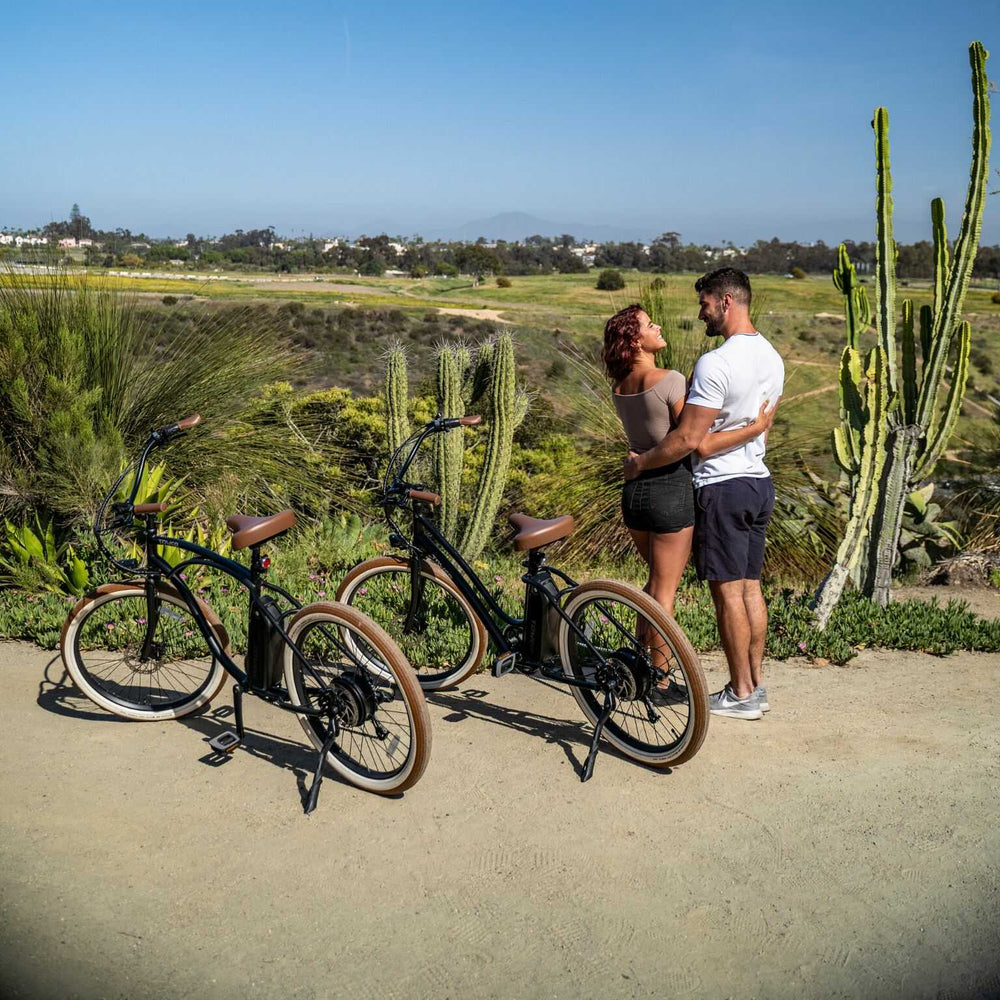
[553, 312]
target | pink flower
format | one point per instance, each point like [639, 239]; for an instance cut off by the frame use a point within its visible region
[110, 627]
[321, 593]
[498, 578]
[802, 646]
[362, 590]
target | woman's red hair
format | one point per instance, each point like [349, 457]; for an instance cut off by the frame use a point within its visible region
[621, 342]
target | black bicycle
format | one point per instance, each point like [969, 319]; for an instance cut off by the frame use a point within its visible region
[150, 649]
[629, 665]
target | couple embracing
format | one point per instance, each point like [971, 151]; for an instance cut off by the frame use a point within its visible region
[695, 473]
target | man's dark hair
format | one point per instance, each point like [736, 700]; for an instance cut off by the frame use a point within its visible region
[723, 280]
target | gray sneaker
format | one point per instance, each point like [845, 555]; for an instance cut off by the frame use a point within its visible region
[761, 693]
[724, 702]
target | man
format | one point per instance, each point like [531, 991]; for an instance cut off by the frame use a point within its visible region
[734, 495]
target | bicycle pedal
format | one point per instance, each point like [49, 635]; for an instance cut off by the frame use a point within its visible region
[504, 664]
[225, 742]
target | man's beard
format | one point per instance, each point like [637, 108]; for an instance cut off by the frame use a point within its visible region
[713, 327]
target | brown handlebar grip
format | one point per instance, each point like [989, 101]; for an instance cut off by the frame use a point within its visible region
[150, 508]
[188, 422]
[424, 495]
[471, 420]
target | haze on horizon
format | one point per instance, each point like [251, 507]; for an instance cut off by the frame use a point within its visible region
[744, 124]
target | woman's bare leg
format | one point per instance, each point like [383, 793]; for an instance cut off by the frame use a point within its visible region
[668, 555]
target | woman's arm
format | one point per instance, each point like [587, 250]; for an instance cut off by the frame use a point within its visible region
[714, 444]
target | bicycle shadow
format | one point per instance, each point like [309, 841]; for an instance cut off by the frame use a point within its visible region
[573, 738]
[62, 697]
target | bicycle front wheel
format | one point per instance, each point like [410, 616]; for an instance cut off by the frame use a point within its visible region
[139, 661]
[438, 632]
[365, 693]
[662, 715]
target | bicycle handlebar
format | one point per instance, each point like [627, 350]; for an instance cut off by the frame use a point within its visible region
[435, 426]
[125, 511]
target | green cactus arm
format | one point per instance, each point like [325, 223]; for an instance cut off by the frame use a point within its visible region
[843, 450]
[938, 441]
[496, 464]
[846, 279]
[966, 245]
[885, 247]
[397, 423]
[449, 447]
[941, 259]
[909, 371]
[864, 309]
[847, 443]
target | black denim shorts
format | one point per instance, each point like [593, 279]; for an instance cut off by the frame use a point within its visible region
[660, 500]
[731, 523]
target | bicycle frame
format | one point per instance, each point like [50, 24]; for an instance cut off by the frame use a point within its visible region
[248, 577]
[541, 591]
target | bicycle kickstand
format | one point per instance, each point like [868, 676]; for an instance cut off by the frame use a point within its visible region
[610, 704]
[318, 776]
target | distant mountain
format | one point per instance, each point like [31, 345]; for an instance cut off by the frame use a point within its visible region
[518, 226]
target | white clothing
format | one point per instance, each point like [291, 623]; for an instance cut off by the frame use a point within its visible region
[735, 379]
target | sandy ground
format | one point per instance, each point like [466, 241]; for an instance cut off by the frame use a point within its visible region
[845, 846]
[494, 315]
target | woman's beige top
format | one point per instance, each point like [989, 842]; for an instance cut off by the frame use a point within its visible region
[646, 415]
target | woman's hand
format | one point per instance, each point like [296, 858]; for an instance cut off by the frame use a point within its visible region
[630, 468]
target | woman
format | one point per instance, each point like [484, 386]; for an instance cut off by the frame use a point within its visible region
[658, 507]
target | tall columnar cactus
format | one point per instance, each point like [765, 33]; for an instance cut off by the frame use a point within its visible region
[903, 439]
[396, 394]
[449, 447]
[496, 463]
[485, 385]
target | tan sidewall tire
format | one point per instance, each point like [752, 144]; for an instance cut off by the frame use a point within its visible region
[698, 687]
[413, 697]
[114, 591]
[386, 564]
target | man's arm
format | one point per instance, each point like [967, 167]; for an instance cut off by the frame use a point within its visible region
[682, 440]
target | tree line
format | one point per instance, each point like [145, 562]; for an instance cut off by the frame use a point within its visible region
[262, 249]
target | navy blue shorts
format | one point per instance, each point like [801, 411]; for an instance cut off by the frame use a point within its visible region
[731, 520]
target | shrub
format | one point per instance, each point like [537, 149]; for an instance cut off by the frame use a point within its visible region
[84, 376]
[610, 280]
[995, 298]
[169, 300]
[445, 269]
[798, 273]
[503, 282]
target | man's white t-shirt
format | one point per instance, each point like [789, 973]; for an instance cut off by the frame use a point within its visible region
[735, 379]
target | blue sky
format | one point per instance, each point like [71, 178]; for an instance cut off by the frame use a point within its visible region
[722, 121]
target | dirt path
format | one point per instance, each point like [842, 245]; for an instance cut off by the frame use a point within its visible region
[846, 845]
[494, 315]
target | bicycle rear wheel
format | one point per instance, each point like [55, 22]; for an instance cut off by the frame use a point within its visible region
[363, 686]
[439, 634]
[662, 713]
[139, 664]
